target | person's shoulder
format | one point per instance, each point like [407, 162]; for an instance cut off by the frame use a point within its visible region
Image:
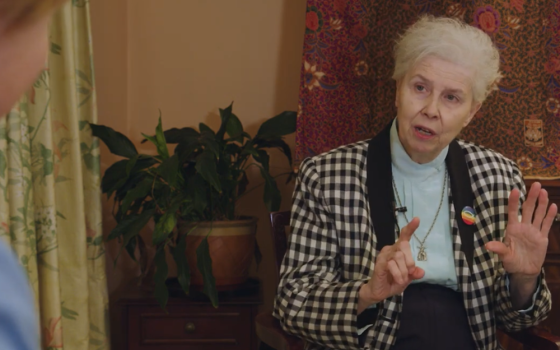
[343, 160]
[483, 158]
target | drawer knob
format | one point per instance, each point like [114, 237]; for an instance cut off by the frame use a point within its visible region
[190, 328]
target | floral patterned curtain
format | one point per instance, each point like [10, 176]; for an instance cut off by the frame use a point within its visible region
[50, 202]
[347, 94]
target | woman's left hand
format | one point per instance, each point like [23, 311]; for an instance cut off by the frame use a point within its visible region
[523, 250]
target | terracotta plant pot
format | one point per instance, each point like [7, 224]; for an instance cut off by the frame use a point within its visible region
[232, 247]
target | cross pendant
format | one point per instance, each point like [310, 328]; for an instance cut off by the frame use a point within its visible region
[422, 255]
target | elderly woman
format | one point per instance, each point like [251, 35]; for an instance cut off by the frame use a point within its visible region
[23, 51]
[413, 239]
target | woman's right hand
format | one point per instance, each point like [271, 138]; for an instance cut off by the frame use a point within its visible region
[394, 270]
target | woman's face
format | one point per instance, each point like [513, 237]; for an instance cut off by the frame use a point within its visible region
[434, 102]
[23, 53]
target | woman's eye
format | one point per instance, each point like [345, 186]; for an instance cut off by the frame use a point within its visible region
[420, 88]
[451, 98]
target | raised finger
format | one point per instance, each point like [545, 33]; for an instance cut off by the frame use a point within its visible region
[541, 209]
[530, 203]
[408, 230]
[401, 264]
[383, 258]
[404, 247]
[549, 219]
[395, 271]
[513, 207]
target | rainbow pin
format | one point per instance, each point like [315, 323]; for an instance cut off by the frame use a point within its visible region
[468, 215]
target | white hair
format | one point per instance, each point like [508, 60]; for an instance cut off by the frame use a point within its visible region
[454, 41]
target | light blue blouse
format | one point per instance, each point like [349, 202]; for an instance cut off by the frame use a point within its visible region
[420, 189]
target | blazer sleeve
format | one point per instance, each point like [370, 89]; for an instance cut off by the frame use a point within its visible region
[312, 301]
[508, 318]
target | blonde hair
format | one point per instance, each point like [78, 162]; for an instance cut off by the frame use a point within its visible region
[16, 13]
[454, 41]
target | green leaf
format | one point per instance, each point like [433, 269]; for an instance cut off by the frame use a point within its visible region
[161, 292]
[3, 164]
[185, 149]
[91, 161]
[84, 147]
[130, 165]
[206, 167]
[141, 190]
[132, 229]
[275, 143]
[47, 155]
[161, 143]
[234, 128]
[249, 149]
[143, 163]
[97, 241]
[69, 314]
[204, 264]
[164, 226]
[183, 270]
[61, 178]
[196, 189]
[59, 214]
[169, 170]
[283, 124]
[210, 144]
[83, 76]
[55, 48]
[232, 149]
[131, 225]
[83, 90]
[82, 124]
[205, 129]
[263, 158]
[131, 248]
[225, 114]
[272, 197]
[118, 143]
[180, 135]
[96, 329]
[114, 177]
[154, 140]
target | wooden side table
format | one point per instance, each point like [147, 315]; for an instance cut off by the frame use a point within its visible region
[192, 323]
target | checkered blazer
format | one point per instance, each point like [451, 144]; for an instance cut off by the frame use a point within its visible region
[332, 252]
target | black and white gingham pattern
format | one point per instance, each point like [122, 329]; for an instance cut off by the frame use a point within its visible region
[331, 254]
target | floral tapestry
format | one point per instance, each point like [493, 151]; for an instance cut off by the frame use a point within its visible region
[347, 93]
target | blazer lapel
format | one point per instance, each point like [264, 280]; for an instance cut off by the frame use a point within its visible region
[462, 196]
[380, 188]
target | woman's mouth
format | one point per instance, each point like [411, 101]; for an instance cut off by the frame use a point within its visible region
[423, 132]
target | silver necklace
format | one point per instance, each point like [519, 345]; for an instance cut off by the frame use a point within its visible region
[422, 254]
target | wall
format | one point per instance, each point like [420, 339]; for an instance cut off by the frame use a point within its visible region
[187, 59]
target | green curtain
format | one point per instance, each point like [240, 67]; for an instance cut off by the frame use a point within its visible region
[50, 207]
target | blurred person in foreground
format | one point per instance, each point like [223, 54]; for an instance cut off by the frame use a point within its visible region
[23, 53]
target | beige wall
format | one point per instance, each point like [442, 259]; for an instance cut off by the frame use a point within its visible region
[189, 58]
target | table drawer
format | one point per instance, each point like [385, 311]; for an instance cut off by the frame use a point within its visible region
[190, 328]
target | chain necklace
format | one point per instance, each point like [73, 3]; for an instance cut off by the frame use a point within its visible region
[422, 254]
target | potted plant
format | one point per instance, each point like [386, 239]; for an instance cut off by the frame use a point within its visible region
[191, 194]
